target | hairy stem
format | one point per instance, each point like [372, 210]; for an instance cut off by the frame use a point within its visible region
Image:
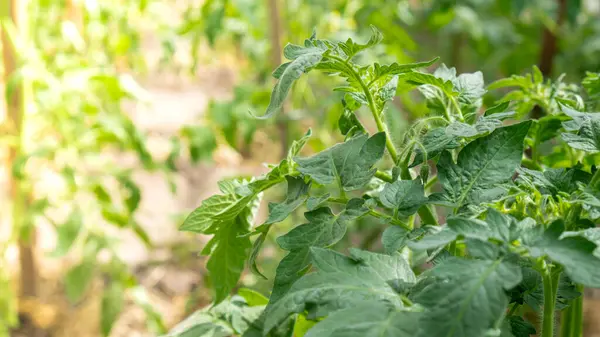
[376, 114]
[550, 283]
[566, 321]
[513, 309]
[376, 214]
[577, 315]
[457, 108]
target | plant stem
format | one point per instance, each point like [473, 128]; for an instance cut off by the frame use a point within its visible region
[431, 182]
[376, 114]
[513, 309]
[577, 316]
[459, 112]
[397, 222]
[383, 176]
[550, 282]
[566, 321]
[338, 200]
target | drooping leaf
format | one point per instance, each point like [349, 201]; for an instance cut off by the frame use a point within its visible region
[394, 238]
[233, 316]
[552, 181]
[322, 230]
[297, 193]
[482, 165]
[339, 283]
[520, 327]
[435, 141]
[289, 270]
[496, 226]
[228, 253]
[351, 48]
[463, 289]
[349, 163]
[303, 60]
[436, 237]
[574, 253]
[404, 196]
[323, 227]
[367, 320]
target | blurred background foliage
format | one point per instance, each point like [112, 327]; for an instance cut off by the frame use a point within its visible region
[73, 71]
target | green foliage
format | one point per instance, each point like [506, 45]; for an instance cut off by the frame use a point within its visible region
[518, 223]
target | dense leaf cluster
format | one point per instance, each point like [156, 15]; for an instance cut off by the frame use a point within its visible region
[519, 199]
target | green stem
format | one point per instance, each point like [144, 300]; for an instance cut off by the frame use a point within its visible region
[431, 182]
[550, 282]
[452, 248]
[577, 317]
[380, 126]
[383, 176]
[338, 200]
[427, 216]
[397, 222]
[513, 309]
[566, 321]
[455, 104]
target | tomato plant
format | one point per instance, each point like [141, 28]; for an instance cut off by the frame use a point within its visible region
[489, 212]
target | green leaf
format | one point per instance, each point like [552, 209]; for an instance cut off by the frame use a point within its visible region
[574, 253]
[520, 327]
[231, 317]
[67, 233]
[349, 124]
[341, 282]
[252, 297]
[113, 300]
[404, 196]
[289, 270]
[223, 208]
[496, 226]
[228, 255]
[351, 48]
[302, 326]
[588, 138]
[323, 227]
[201, 219]
[437, 237]
[435, 141]
[482, 165]
[304, 59]
[367, 320]
[296, 147]
[464, 289]
[552, 181]
[256, 246]
[349, 163]
[132, 193]
[78, 279]
[297, 193]
[394, 238]
[313, 202]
